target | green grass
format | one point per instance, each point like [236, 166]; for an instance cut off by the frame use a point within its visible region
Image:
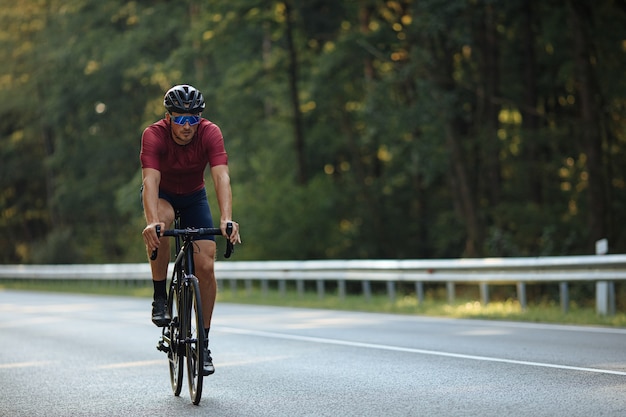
[546, 312]
[434, 303]
[133, 289]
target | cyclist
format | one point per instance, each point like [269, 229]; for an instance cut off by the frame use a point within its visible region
[175, 152]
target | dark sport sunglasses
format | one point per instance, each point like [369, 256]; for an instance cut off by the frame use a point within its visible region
[181, 120]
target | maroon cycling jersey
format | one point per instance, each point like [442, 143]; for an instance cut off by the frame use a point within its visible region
[182, 166]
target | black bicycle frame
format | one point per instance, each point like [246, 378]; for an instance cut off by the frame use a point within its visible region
[184, 248]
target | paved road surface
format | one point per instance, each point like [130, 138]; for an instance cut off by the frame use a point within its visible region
[76, 355]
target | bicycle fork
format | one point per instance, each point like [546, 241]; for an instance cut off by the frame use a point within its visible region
[180, 337]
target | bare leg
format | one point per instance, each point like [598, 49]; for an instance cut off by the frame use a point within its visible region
[159, 265]
[204, 259]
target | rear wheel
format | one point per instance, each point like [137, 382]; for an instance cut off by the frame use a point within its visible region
[176, 354]
[195, 340]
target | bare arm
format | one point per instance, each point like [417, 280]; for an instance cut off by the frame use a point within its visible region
[150, 195]
[221, 181]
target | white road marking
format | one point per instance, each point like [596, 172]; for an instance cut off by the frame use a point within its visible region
[132, 364]
[412, 350]
[23, 364]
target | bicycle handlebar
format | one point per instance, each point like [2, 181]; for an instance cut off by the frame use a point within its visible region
[202, 231]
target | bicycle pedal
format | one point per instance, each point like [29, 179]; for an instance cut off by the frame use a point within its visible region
[161, 346]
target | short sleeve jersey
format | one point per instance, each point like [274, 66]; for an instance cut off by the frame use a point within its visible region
[182, 166]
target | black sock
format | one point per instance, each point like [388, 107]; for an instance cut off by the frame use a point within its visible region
[206, 336]
[159, 289]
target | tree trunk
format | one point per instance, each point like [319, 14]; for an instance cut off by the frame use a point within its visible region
[302, 175]
[463, 194]
[489, 107]
[589, 126]
[462, 190]
[533, 156]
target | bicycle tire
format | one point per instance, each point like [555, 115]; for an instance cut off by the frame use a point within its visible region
[176, 354]
[194, 334]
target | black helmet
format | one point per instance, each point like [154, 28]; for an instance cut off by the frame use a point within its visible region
[183, 99]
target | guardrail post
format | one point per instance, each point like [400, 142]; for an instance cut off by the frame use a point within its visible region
[233, 286]
[320, 289]
[521, 294]
[564, 295]
[605, 290]
[367, 289]
[282, 287]
[391, 291]
[484, 293]
[341, 289]
[419, 291]
[451, 292]
[602, 291]
[300, 287]
[264, 287]
[605, 298]
[249, 287]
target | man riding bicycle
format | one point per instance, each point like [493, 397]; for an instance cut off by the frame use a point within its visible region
[175, 152]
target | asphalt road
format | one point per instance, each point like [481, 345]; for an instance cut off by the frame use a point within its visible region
[76, 355]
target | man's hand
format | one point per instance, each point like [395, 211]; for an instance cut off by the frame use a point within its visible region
[150, 237]
[234, 236]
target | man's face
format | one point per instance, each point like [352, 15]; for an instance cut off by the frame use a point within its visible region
[182, 133]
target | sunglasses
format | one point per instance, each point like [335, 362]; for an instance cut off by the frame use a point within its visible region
[181, 120]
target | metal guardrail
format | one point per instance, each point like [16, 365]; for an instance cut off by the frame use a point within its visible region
[603, 270]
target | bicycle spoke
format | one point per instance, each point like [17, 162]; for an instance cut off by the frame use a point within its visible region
[175, 355]
[195, 342]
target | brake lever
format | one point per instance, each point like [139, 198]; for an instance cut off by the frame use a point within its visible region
[155, 252]
[230, 248]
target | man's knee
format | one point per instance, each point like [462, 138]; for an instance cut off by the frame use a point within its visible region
[166, 212]
[204, 257]
[204, 265]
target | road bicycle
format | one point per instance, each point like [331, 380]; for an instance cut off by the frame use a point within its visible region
[184, 336]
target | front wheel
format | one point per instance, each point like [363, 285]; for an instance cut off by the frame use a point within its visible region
[194, 339]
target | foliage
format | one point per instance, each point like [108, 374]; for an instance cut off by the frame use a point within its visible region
[355, 129]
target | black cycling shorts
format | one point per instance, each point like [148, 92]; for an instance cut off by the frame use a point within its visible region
[193, 209]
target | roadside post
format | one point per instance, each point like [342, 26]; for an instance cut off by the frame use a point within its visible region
[605, 290]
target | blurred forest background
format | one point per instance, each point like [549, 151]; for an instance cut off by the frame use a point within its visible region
[355, 128]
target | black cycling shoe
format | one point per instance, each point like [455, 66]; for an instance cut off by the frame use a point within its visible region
[160, 316]
[207, 367]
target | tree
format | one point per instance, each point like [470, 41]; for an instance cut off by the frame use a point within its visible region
[355, 129]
